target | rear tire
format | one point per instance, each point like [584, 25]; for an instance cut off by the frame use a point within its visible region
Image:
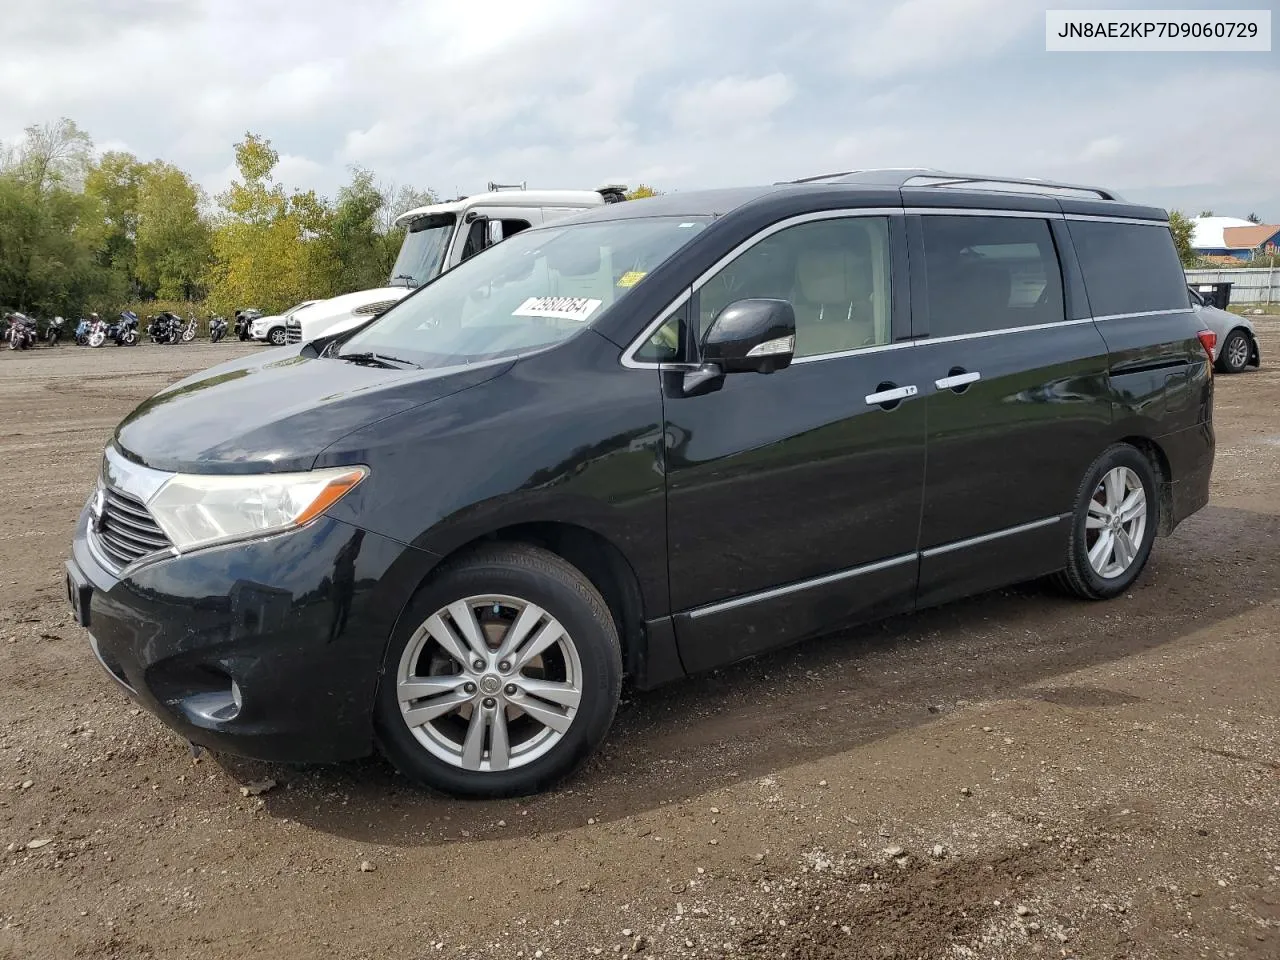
[1234, 355]
[501, 584]
[1113, 525]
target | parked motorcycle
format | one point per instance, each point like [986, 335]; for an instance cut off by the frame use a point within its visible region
[53, 332]
[217, 328]
[22, 331]
[164, 328]
[98, 330]
[189, 331]
[125, 332]
[244, 320]
[82, 332]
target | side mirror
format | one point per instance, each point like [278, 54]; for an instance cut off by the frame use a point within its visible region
[751, 336]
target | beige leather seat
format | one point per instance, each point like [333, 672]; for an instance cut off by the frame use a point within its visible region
[831, 301]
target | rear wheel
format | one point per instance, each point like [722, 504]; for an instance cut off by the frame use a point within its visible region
[503, 678]
[1234, 356]
[1113, 525]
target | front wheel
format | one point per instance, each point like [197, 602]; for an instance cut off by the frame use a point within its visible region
[1234, 356]
[503, 677]
[276, 337]
[97, 339]
[1113, 525]
[188, 335]
[215, 336]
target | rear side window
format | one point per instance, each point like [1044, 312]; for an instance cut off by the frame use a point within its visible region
[990, 273]
[1128, 267]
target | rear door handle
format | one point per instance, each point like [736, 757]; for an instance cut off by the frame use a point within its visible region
[891, 396]
[958, 380]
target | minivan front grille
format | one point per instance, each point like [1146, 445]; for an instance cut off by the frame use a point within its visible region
[125, 531]
[293, 333]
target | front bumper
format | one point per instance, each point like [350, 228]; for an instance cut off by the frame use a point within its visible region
[269, 649]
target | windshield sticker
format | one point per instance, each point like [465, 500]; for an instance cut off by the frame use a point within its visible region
[564, 308]
[631, 278]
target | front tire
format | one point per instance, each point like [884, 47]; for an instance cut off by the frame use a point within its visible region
[1234, 356]
[276, 337]
[1113, 525]
[503, 675]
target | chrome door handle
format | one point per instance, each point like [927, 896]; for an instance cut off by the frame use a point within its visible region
[959, 380]
[889, 396]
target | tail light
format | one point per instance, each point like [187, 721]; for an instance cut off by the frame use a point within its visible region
[1208, 340]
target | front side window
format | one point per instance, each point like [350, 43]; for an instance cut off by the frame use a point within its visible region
[990, 273]
[835, 274]
[536, 289]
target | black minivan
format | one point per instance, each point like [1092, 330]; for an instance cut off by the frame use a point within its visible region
[660, 437]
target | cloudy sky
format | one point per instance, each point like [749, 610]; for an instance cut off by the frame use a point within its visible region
[449, 94]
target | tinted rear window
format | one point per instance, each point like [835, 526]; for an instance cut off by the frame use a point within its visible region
[990, 273]
[1129, 267]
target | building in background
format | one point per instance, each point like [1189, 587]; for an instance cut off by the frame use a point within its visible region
[1233, 238]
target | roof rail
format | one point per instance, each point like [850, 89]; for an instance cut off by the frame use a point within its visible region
[495, 187]
[926, 177]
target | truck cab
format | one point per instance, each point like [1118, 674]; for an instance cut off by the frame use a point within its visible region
[437, 238]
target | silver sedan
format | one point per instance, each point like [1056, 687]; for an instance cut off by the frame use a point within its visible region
[1237, 345]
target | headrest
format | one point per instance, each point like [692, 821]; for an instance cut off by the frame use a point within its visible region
[825, 276]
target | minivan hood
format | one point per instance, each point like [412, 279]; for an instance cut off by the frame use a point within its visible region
[277, 410]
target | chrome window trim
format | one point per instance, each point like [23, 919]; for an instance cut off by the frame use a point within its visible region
[994, 535]
[749, 598]
[1030, 328]
[878, 348]
[1144, 313]
[1103, 218]
[982, 212]
[628, 356]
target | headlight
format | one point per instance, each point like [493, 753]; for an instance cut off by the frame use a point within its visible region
[195, 510]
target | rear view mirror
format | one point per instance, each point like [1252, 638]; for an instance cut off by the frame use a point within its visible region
[751, 336]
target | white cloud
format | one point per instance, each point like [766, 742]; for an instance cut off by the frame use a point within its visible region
[729, 104]
[580, 92]
[928, 35]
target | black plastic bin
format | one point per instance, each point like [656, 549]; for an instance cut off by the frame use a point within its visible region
[1214, 294]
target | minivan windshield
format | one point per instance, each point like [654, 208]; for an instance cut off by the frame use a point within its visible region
[533, 290]
[425, 244]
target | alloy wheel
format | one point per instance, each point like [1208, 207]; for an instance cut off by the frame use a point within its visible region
[489, 683]
[1237, 353]
[1116, 522]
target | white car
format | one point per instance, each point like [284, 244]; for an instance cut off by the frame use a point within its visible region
[441, 236]
[272, 329]
[1237, 343]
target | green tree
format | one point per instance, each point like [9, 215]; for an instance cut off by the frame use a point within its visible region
[259, 245]
[173, 239]
[1181, 229]
[641, 191]
[1253, 218]
[111, 215]
[1206, 213]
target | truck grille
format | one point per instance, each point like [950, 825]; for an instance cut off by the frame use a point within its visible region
[293, 333]
[126, 532]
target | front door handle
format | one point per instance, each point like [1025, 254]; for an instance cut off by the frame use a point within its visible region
[957, 381]
[891, 395]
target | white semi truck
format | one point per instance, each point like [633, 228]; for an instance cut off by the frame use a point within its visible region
[440, 236]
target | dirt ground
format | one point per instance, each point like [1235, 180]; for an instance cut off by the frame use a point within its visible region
[1017, 775]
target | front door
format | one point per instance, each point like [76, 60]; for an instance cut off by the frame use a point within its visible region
[793, 498]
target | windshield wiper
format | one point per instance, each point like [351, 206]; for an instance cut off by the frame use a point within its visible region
[372, 359]
[410, 281]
